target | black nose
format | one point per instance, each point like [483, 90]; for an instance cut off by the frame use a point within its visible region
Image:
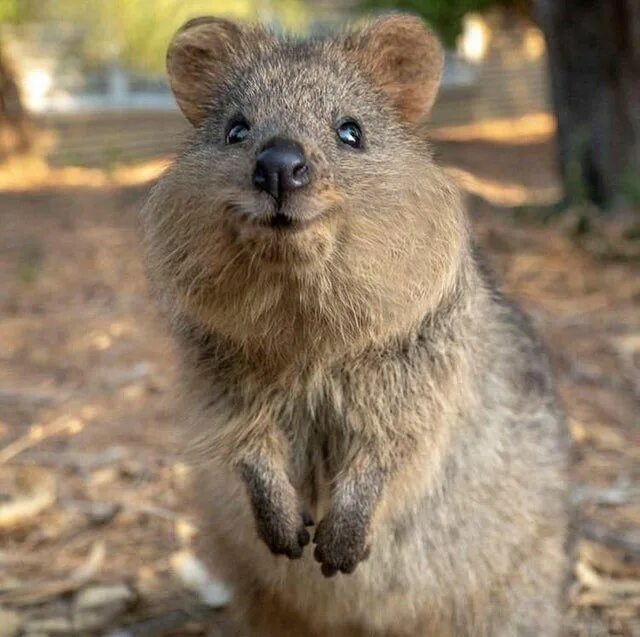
[280, 168]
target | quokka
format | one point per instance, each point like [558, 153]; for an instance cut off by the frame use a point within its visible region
[347, 363]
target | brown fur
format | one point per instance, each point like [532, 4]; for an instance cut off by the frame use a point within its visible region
[359, 369]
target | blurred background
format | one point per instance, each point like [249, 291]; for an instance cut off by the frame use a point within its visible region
[538, 119]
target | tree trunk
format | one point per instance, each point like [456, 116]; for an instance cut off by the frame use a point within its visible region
[14, 130]
[594, 60]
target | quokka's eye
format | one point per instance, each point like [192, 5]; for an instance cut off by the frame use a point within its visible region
[237, 131]
[349, 133]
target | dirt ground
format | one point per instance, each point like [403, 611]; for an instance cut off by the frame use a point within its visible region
[94, 538]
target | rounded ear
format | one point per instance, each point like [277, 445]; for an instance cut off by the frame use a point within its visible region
[403, 58]
[197, 58]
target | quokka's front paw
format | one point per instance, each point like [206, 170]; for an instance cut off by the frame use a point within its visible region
[341, 542]
[276, 509]
[283, 532]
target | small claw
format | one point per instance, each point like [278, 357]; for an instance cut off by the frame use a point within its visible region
[294, 553]
[328, 571]
[348, 568]
[303, 537]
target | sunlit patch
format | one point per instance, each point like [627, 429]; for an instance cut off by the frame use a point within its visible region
[474, 41]
[504, 193]
[37, 84]
[101, 341]
[29, 172]
[517, 131]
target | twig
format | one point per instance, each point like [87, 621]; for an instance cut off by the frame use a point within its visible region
[167, 623]
[30, 593]
[36, 492]
[589, 578]
[75, 459]
[38, 433]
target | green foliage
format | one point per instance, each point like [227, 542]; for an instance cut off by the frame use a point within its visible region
[9, 10]
[137, 33]
[444, 15]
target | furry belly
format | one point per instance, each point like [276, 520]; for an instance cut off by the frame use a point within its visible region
[391, 585]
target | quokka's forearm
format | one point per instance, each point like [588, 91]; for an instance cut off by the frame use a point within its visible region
[344, 536]
[280, 519]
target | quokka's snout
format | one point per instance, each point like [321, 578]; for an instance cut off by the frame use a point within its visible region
[281, 168]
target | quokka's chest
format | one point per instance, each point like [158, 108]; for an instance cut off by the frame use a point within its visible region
[319, 441]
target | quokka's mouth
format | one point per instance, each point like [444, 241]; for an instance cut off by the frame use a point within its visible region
[275, 222]
[283, 222]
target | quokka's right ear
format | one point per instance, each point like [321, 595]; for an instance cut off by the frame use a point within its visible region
[196, 61]
[403, 58]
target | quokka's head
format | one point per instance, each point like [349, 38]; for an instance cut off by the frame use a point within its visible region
[307, 198]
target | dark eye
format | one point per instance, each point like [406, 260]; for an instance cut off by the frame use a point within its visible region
[349, 133]
[237, 131]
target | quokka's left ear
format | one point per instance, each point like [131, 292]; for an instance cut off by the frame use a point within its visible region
[198, 58]
[403, 58]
